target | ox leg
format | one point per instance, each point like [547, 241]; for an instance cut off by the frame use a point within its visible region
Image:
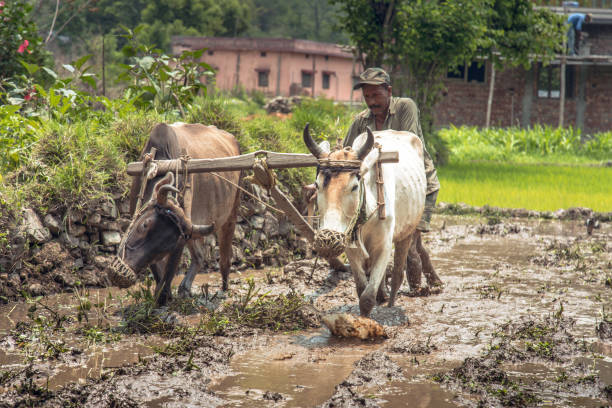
[357, 268]
[428, 270]
[163, 290]
[156, 270]
[367, 300]
[225, 251]
[414, 267]
[399, 265]
[197, 262]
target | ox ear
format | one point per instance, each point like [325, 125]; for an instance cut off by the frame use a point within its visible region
[199, 231]
[325, 146]
[367, 146]
[162, 187]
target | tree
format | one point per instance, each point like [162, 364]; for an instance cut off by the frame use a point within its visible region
[419, 41]
[516, 34]
[368, 24]
[313, 20]
[433, 37]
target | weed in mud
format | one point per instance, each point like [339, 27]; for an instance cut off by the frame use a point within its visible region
[492, 291]
[598, 247]
[565, 251]
[143, 316]
[542, 349]
[283, 312]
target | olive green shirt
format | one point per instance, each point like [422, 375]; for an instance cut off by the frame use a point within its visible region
[403, 115]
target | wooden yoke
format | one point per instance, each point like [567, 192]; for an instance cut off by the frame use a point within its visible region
[243, 162]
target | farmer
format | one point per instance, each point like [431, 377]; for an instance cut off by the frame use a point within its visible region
[574, 32]
[388, 112]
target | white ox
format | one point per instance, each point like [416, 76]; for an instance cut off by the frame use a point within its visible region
[370, 245]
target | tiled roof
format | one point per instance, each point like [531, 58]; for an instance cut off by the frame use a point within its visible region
[263, 44]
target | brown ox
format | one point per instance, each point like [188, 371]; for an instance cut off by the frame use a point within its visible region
[162, 228]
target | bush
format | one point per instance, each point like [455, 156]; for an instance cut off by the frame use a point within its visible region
[19, 39]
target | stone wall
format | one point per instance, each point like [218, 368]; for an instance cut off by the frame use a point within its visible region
[52, 252]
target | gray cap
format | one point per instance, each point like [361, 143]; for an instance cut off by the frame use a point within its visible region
[373, 76]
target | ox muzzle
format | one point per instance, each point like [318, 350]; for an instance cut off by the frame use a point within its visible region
[120, 274]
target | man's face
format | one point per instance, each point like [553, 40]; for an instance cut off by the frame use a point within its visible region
[377, 97]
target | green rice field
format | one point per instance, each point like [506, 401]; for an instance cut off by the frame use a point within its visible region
[535, 187]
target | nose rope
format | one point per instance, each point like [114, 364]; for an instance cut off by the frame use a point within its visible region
[329, 243]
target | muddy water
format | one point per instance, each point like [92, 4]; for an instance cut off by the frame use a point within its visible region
[491, 278]
[303, 369]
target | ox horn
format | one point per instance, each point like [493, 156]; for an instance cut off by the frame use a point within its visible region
[163, 186]
[367, 146]
[314, 148]
[202, 230]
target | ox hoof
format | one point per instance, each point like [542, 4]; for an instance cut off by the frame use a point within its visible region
[382, 296]
[184, 292]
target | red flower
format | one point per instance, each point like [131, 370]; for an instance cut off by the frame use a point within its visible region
[30, 94]
[23, 47]
[1, 4]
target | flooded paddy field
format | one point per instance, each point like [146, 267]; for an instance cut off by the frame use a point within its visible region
[524, 319]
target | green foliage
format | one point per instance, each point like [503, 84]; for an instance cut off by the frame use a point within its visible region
[19, 39]
[312, 20]
[160, 81]
[537, 144]
[17, 135]
[517, 31]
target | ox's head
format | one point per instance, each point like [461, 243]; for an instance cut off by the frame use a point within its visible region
[159, 229]
[338, 191]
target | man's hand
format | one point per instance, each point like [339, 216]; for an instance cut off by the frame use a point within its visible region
[309, 193]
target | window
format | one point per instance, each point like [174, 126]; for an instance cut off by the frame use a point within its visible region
[306, 79]
[263, 54]
[210, 52]
[263, 78]
[307, 55]
[474, 72]
[549, 81]
[327, 58]
[458, 72]
[326, 78]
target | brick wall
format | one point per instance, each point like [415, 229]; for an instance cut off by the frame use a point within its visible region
[466, 103]
[599, 99]
[599, 39]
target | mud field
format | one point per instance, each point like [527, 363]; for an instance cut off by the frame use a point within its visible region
[524, 319]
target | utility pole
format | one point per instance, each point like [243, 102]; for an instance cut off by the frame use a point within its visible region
[103, 67]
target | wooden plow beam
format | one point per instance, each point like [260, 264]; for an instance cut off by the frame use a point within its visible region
[273, 160]
[242, 162]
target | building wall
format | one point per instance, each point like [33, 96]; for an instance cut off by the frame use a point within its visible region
[599, 40]
[599, 99]
[236, 67]
[516, 101]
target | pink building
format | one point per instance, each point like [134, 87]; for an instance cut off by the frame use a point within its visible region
[278, 66]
